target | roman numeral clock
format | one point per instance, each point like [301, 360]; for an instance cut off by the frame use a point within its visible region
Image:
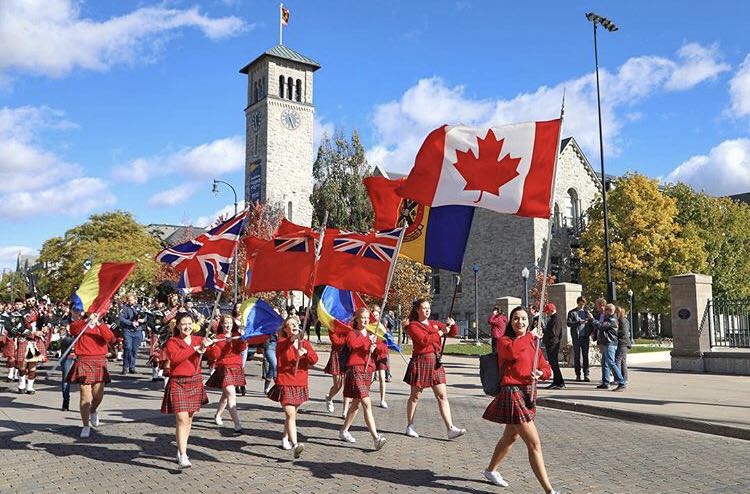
[279, 131]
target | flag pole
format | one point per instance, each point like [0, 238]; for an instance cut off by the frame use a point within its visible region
[281, 23]
[547, 253]
[450, 315]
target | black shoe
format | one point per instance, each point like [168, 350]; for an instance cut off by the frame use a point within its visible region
[603, 386]
[551, 386]
[123, 372]
[619, 387]
[578, 379]
[586, 379]
[131, 371]
[243, 391]
[30, 391]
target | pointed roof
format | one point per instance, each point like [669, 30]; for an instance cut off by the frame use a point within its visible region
[284, 53]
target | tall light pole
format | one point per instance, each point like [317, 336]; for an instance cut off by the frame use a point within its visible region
[611, 27]
[215, 190]
[475, 268]
[525, 276]
[630, 313]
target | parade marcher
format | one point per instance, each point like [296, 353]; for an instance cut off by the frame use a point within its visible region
[31, 346]
[336, 368]
[184, 393]
[90, 367]
[497, 322]
[382, 365]
[173, 301]
[14, 327]
[228, 373]
[423, 370]
[294, 356]
[359, 368]
[514, 405]
[130, 323]
[247, 352]
[66, 339]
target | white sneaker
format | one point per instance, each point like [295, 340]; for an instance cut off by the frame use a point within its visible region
[218, 420]
[94, 419]
[85, 432]
[285, 444]
[379, 442]
[329, 405]
[383, 404]
[344, 412]
[411, 431]
[345, 436]
[495, 477]
[455, 432]
[184, 462]
[298, 449]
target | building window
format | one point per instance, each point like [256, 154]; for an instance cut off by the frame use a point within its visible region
[571, 209]
[289, 211]
[255, 145]
[289, 87]
[435, 281]
[262, 88]
[281, 86]
[298, 91]
[256, 91]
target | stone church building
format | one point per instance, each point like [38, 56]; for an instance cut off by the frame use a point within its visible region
[278, 169]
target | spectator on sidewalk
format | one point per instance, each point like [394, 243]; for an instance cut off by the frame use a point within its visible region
[552, 337]
[607, 341]
[497, 322]
[578, 322]
[130, 322]
[624, 343]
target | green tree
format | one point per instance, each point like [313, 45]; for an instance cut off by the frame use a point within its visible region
[647, 243]
[722, 225]
[13, 285]
[111, 236]
[338, 172]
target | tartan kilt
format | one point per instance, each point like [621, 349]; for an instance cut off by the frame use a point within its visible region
[336, 365]
[226, 376]
[89, 370]
[421, 371]
[509, 406]
[154, 350]
[22, 348]
[9, 349]
[382, 364]
[289, 395]
[184, 394]
[357, 382]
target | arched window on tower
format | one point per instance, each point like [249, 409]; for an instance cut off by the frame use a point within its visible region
[281, 86]
[256, 91]
[571, 209]
[289, 211]
[298, 91]
[289, 87]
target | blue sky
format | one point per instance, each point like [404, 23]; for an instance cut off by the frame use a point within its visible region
[138, 105]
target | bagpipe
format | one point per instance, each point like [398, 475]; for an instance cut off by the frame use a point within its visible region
[13, 323]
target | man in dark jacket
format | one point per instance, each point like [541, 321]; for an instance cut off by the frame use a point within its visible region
[130, 323]
[606, 338]
[552, 336]
[578, 322]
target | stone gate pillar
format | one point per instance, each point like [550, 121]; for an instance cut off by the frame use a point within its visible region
[690, 295]
[507, 304]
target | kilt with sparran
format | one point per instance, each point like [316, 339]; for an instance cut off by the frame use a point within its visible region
[510, 407]
[184, 394]
[89, 370]
[336, 365]
[226, 376]
[289, 395]
[357, 382]
[421, 371]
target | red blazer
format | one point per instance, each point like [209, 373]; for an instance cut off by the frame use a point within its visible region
[425, 337]
[338, 339]
[359, 349]
[516, 355]
[94, 341]
[286, 361]
[497, 324]
[227, 353]
[381, 350]
[183, 359]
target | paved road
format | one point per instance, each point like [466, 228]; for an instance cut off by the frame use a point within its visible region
[133, 451]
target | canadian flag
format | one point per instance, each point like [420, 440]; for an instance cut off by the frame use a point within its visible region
[508, 169]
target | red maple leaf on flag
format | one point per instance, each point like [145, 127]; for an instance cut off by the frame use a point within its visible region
[486, 173]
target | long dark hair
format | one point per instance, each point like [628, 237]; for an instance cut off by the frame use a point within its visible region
[509, 327]
[179, 317]
[414, 313]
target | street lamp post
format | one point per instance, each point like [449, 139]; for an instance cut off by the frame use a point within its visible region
[475, 268]
[630, 313]
[215, 190]
[611, 27]
[525, 276]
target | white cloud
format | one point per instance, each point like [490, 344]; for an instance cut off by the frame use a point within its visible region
[225, 212]
[34, 180]
[321, 129]
[49, 37]
[210, 159]
[739, 90]
[9, 254]
[173, 196]
[725, 170]
[401, 125]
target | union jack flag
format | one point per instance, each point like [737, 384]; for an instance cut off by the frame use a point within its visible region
[381, 246]
[292, 244]
[204, 261]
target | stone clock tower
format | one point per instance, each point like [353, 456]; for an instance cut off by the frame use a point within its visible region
[279, 131]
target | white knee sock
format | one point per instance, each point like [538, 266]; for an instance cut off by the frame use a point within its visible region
[30, 385]
[22, 382]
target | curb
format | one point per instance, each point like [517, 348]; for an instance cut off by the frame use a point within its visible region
[648, 418]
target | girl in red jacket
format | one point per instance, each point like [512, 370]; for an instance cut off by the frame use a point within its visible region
[228, 372]
[336, 365]
[359, 368]
[184, 393]
[514, 405]
[90, 367]
[423, 370]
[294, 356]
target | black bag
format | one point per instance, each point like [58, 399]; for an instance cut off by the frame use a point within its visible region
[490, 373]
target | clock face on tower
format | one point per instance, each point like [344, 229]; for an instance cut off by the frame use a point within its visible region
[290, 119]
[255, 121]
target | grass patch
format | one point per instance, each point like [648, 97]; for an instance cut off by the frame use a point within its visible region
[457, 349]
[649, 349]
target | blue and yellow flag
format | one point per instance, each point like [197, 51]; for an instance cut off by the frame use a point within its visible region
[259, 319]
[339, 305]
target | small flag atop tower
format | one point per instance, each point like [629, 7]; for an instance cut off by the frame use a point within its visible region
[285, 16]
[283, 21]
